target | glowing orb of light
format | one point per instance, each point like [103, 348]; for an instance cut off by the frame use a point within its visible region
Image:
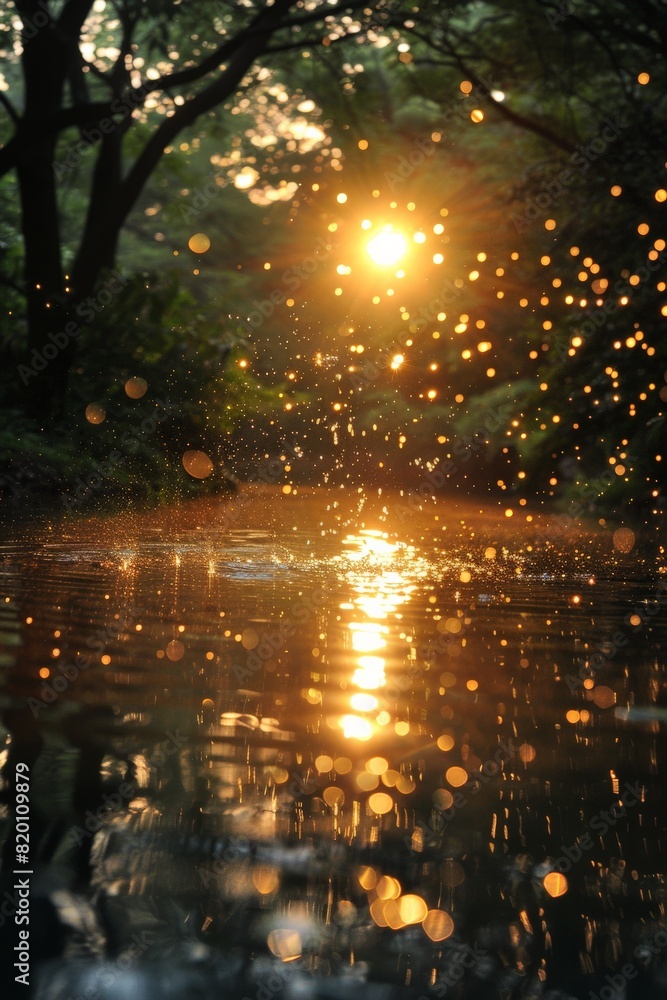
[197, 464]
[386, 248]
[380, 803]
[199, 243]
[624, 540]
[438, 925]
[266, 880]
[355, 727]
[555, 884]
[136, 387]
[413, 909]
[285, 944]
[95, 413]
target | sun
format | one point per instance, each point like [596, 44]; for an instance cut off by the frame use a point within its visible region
[386, 248]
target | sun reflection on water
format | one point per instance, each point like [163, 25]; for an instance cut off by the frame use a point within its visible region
[370, 672]
[325, 735]
[381, 574]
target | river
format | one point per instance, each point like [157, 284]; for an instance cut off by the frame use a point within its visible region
[327, 743]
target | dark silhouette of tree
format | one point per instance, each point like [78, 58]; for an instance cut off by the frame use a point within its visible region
[165, 65]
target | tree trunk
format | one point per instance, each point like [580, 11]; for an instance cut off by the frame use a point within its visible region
[52, 298]
[50, 350]
[101, 233]
[44, 376]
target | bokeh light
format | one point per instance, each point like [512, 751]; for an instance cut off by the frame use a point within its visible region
[199, 243]
[197, 464]
[136, 387]
[95, 413]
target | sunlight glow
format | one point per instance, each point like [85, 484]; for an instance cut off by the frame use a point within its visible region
[386, 248]
[356, 728]
[363, 702]
[365, 642]
[370, 672]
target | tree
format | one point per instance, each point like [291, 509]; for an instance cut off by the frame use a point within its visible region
[584, 83]
[539, 122]
[129, 77]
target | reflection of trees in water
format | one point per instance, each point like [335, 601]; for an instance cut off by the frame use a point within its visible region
[194, 857]
[167, 884]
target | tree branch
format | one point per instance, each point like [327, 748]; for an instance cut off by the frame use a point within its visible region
[9, 107]
[208, 65]
[27, 136]
[212, 62]
[12, 284]
[85, 114]
[529, 124]
[307, 43]
[73, 17]
[105, 228]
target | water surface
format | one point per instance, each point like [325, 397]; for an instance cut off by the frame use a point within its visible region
[328, 743]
